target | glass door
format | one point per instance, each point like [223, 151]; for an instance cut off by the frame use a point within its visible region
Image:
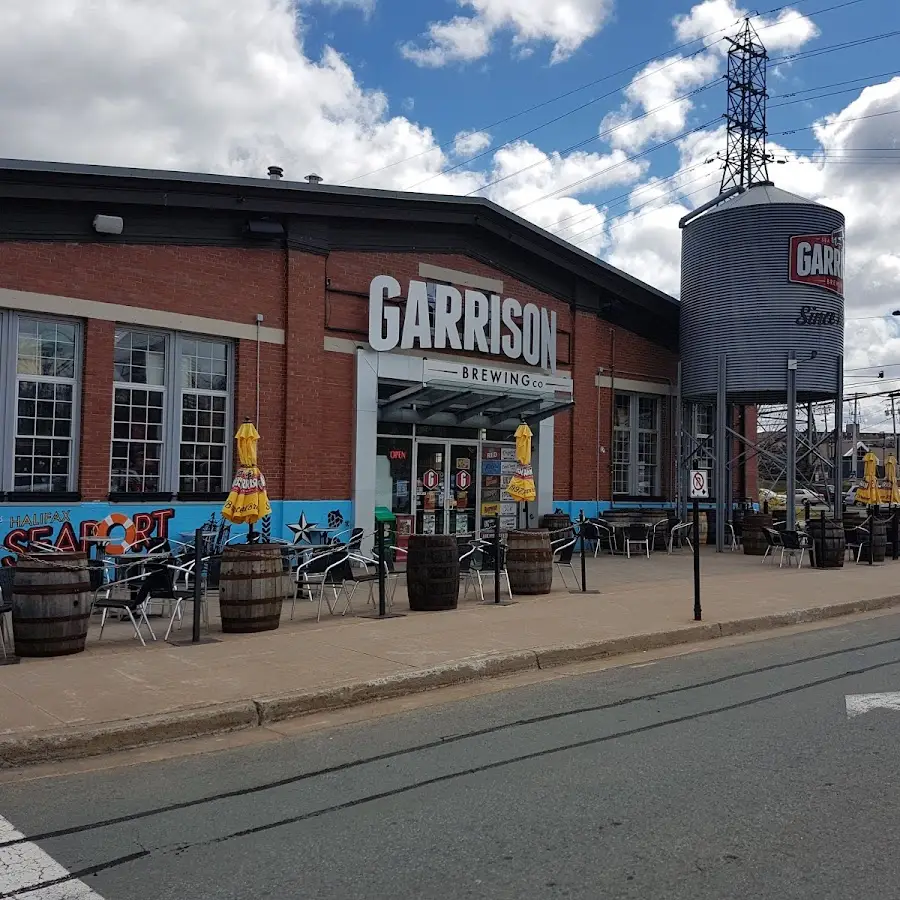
[462, 506]
[431, 484]
[446, 487]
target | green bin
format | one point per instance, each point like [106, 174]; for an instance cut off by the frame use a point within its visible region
[383, 514]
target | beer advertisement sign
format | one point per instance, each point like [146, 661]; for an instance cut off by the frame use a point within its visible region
[818, 259]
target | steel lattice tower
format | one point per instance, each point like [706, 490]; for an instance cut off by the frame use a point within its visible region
[746, 161]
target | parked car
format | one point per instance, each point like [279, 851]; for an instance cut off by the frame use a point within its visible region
[804, 494]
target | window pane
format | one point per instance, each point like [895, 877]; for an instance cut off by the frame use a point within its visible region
[44, 390]
[140, 358]
[203, 447]
[622, 445]
[647, 413]
[137, 446]
[623, 411]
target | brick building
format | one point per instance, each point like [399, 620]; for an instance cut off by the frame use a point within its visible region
[386, 344]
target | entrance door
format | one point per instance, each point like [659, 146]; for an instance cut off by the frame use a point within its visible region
[446, 485]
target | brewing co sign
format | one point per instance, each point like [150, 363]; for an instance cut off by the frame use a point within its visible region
[818, 259]
[459, 320]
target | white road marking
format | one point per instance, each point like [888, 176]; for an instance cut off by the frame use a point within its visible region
[858, 704]
[24, 866]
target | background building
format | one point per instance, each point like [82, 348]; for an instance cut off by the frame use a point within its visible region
[144, 315]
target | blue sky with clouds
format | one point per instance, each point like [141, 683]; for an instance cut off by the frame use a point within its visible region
[391, 94]
[473, 94]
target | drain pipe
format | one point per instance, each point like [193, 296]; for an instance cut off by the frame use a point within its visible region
[259, 321]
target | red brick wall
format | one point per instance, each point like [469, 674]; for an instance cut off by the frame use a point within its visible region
[96, 409]
[233, 285]
[583, 338]
[306, 394]
[230, 284]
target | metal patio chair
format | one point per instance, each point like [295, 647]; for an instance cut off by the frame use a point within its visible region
[680, 532]
[484, 556]
[774, 543]
[130, 604]
[637, 534]
[563, 550]
[329, 569]
[605, 532]
[795, 544]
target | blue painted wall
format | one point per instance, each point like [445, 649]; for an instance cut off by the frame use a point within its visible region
[65, 526]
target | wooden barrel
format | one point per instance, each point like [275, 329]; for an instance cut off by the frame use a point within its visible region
[529, 561]
[829, 544]
[559, 525]
[252, 587]
[51, 600]
[878, 531]
[710, 520]
[432, 572]
[754, 540]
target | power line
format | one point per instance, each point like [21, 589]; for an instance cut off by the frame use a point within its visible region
[889, 112]
[628, 195]
[596, 81]
[627, 159]
[646, 62]
[559, 118]
[601, 135]
[597, 137]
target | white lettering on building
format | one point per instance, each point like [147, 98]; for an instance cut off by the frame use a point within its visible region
[489, 325]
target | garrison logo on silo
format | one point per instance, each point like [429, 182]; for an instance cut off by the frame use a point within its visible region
[818, 259]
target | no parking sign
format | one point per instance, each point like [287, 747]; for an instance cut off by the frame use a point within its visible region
[699, 484]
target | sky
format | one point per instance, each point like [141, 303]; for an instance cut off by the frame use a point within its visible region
[600, 120]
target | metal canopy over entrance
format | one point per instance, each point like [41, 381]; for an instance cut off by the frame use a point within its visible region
[478, 403]
[475, 408]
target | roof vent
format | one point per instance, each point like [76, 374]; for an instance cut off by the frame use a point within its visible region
[276, 173]
[314, 179]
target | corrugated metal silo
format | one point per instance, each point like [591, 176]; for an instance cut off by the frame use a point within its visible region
[761, 277]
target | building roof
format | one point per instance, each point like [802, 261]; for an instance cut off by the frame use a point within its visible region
[612, 293]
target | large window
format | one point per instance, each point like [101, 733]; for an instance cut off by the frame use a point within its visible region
[171, 414]
[636, 447]
[39, 374]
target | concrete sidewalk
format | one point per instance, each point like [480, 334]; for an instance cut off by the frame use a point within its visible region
[118, 694]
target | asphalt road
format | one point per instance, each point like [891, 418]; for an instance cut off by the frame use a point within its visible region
[729, 773]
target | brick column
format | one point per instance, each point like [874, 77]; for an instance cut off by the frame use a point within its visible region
[96, 409]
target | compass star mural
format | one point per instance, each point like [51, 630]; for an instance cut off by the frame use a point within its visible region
[303, 530]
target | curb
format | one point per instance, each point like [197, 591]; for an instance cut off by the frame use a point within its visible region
[75, 743]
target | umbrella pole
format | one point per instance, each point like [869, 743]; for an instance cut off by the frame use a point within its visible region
[251, 536]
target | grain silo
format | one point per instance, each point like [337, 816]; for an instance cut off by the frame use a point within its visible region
[762, 303]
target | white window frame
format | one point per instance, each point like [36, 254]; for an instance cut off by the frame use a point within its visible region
[634, 430]
[174, 391]
[9, 381]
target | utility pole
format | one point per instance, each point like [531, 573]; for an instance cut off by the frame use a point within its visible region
[894, 420]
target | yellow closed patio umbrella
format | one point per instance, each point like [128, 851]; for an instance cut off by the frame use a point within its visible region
[890, 474]
[868, 492]
[521, 485]
[248, 501]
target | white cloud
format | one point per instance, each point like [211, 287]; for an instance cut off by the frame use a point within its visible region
[651, 111]
[712, 20]
[651, 97]
[225, 86]
[468, 143]
[567, 23]
[208, 85]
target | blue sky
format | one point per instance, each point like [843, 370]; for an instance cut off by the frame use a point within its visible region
[464, 96]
